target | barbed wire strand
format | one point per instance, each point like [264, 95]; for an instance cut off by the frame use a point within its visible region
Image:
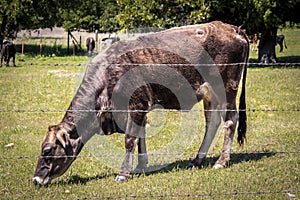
[235, 193]
[149, 154]
[157, 64]
[155, 110]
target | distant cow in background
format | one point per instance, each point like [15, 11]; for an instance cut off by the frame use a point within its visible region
[8, 51]
[90, 45]
[280, 41]
[253, 39]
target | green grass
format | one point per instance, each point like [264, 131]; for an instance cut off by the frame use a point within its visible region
[50, 87]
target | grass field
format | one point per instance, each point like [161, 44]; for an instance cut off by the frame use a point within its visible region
[268, 167]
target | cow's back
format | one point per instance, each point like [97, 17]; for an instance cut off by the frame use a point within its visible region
[178, 59]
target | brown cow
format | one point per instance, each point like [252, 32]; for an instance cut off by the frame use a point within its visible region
[253, 39]
[176, 69]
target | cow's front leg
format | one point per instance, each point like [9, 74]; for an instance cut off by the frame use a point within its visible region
[142, 157]
[130, 144]
[229, 128]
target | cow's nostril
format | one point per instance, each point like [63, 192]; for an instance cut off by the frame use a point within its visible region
[36, 180]
[39, 181]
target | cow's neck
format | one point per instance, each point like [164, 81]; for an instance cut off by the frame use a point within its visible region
[80, 120]
[79, 123]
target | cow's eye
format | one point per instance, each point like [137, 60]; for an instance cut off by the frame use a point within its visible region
[47, 151]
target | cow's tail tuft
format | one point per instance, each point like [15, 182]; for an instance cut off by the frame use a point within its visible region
[242, 128]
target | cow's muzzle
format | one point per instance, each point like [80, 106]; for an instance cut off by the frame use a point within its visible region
[40, 181]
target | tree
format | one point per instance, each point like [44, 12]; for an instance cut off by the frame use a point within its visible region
[89, 15]
[26, 14]
[9, 11]
[160, 13]
[263, 17]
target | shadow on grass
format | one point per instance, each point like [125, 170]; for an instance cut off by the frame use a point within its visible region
[289, 60]
[178, 165]
[49, 50]
[75, 179]
[209, 162]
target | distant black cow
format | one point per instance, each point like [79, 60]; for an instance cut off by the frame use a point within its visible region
[90, 45]
[8, 51]
[280, 41]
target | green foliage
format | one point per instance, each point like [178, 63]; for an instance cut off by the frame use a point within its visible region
[26, 14]
[256, 15]
[113, 15]
[163, 14]
[89, 15]
[277, 13]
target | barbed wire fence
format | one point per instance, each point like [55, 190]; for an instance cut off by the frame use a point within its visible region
[249, 64]
[289, 193]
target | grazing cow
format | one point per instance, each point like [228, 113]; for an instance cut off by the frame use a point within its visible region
[8, 51]
[280, 41]
[175, 69]
[253, 39]
[90, 46]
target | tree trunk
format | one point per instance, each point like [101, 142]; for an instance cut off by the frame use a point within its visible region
[2, 29]
[266, 47]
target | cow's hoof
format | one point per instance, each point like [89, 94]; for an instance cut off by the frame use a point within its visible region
[120, 178]
[218, 166]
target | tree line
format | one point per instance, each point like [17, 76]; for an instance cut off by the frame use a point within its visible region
[262, 17]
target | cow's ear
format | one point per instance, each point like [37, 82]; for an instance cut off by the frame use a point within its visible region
[63, 137]
[51, 127]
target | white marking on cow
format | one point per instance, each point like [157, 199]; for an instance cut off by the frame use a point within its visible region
[199, 32]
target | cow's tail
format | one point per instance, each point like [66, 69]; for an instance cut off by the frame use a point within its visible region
[284, 43]
[242, 128]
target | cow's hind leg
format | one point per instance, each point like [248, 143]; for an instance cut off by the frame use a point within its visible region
[229, 128]
[212, 118]
[14, 60]
[7, 61]
[142, 157]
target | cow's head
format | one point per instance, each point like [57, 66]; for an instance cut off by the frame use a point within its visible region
[59, 150]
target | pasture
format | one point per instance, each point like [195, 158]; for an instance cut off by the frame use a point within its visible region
[267, 167]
